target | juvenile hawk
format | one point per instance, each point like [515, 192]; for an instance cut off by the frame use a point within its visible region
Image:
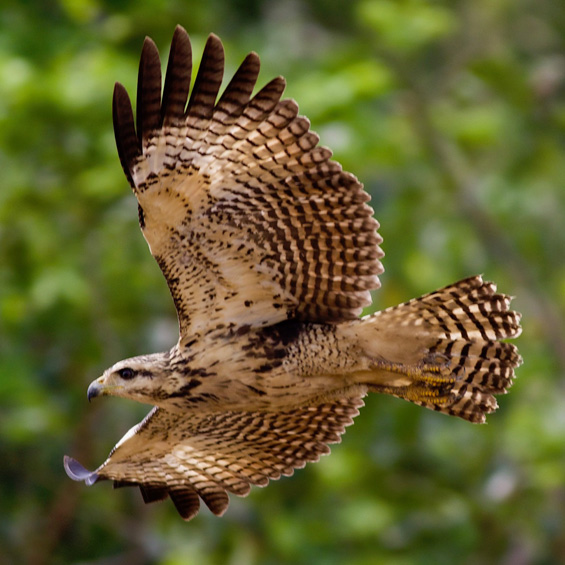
[270, 252]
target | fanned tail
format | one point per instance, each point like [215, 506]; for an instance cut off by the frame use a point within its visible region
[444, 350]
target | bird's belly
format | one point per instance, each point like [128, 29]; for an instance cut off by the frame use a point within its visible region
[275, 390]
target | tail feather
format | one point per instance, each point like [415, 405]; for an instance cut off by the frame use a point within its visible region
[448, 344]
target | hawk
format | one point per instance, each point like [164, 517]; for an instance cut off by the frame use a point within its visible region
[270, 252]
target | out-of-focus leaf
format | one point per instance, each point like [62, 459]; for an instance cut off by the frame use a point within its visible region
[407, 25]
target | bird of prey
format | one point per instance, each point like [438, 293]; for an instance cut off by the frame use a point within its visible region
[270, 252]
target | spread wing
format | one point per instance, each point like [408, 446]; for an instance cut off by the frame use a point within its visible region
[249, 220]
[189, 456]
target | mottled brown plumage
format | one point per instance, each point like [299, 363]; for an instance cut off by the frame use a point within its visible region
[270, 252]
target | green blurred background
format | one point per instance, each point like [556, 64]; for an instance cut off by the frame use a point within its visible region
[453, 115]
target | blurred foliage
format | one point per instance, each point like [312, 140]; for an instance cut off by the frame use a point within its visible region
[453, 115]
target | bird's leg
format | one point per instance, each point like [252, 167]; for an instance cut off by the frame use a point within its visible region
[429, 381]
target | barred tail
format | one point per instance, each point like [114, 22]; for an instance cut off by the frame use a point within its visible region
[443, 350]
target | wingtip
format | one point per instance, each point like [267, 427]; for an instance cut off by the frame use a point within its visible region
[148, 44]
[280, 81]
[214, 45]
[181, 38]
[77, 472]
[119, 89]
[212, 37]
[180, 30]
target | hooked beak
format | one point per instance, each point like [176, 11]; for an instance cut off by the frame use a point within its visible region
[101, 387]
[95, 389]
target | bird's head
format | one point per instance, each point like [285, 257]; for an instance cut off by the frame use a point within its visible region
[139, 378]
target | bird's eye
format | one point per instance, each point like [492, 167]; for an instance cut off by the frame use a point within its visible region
[126, 373]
